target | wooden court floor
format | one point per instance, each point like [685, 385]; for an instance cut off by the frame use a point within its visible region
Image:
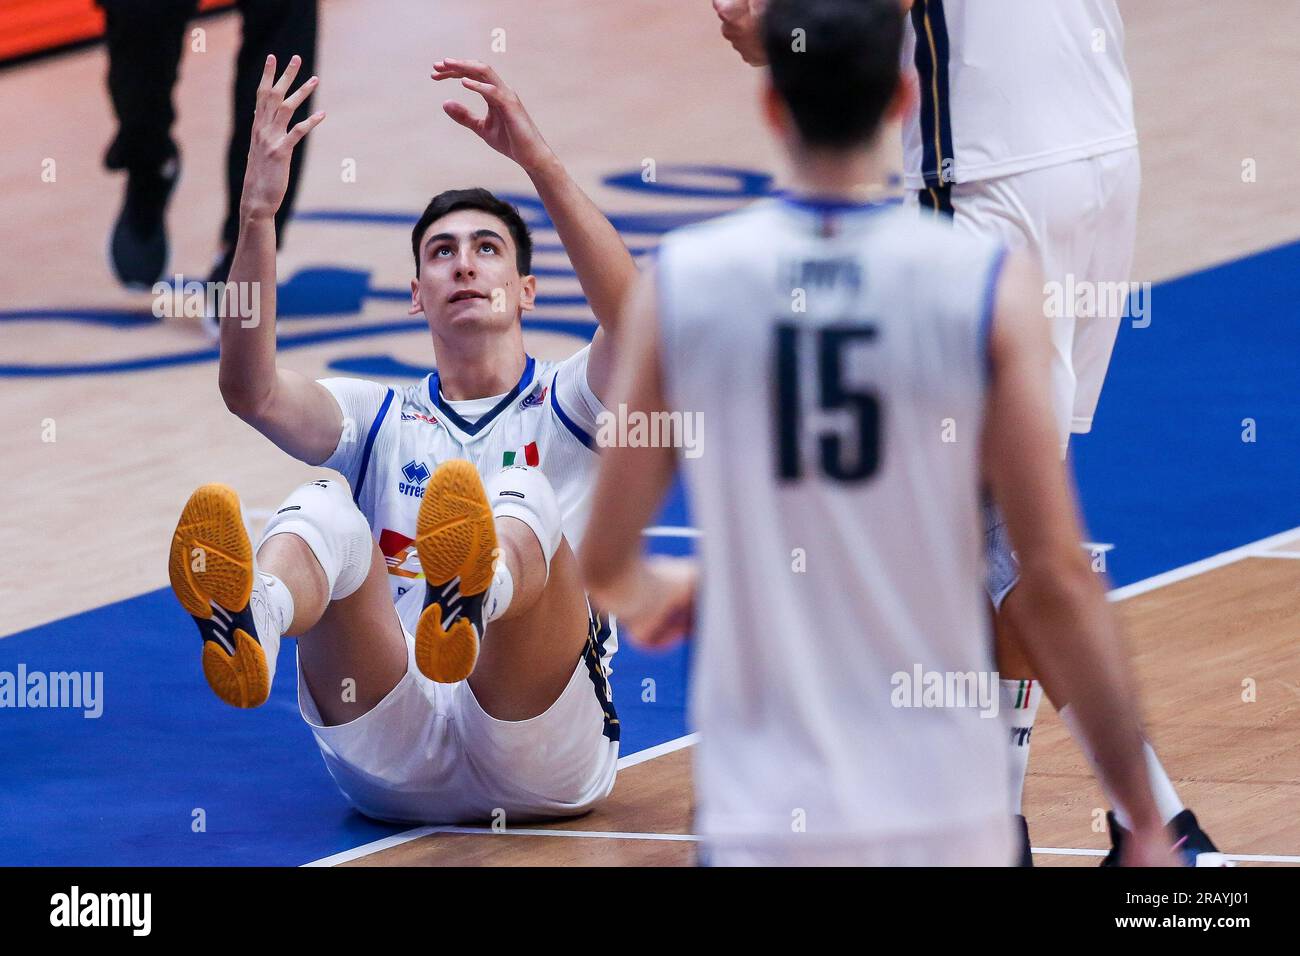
[610, 85]
[1235, 763]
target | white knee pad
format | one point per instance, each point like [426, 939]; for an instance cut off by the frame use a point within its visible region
[524, 493]
[323, 514]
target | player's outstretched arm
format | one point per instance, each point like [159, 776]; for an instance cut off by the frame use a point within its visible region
[603, 265]
[655, 600]
[1073, 642]
[296, 413]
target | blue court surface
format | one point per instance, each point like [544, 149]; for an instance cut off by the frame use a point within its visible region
[1166, 479]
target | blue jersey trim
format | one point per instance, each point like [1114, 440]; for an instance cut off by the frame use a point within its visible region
[473, 428]
[565, 420]
[990, 295]
[827, 206]
[370, 442]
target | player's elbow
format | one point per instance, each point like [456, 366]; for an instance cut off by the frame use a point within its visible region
[245, 403]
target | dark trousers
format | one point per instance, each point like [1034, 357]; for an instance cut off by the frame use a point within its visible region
[145, 39]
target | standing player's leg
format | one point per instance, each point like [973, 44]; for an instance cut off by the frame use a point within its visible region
[497, 555]
[317, 574]
[1004, 209]
[284, 28]
[145, 42]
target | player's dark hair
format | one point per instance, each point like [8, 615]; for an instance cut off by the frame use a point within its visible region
[835, 64]
[453, 199]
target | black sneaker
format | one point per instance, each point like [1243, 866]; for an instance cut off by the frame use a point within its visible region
[138, 245]
[1193, 845]
[1022, 829]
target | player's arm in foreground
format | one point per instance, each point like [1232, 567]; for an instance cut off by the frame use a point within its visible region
[1075, 643]
[655, 600]
[603, 265]
[292, 410]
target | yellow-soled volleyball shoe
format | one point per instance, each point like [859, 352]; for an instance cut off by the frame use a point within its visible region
[213, 575]
[457, 543]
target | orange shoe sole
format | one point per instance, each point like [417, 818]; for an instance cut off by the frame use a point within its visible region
[211, 563]
[455, 538]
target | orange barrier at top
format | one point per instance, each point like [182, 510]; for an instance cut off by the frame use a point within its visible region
[30, 26]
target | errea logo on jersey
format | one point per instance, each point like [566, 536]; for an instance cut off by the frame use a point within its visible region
[416, 474]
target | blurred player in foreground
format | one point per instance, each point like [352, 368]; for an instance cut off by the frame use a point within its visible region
[843, 686]
[416, 721]
[1023, 133]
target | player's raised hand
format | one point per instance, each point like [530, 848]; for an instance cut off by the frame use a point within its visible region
[267, 175]
[507, 127]
[742, 27]
[666, 612]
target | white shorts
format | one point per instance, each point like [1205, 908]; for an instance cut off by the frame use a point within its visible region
[1080, 219]
[429, 754]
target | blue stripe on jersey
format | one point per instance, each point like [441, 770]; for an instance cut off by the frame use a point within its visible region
[370, 442]
[834, 205]
[990, 295]
[565, 420]
[930, 26]
[473, 428]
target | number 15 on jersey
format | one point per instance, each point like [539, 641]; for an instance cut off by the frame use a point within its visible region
[839, 456]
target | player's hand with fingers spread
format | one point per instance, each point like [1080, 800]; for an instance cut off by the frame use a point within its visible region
[664, 610]
[267, 175]
[507, 127]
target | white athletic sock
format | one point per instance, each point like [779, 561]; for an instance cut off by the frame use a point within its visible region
[501, 591]
[1162, 788]
[1018, 700]
[279, 600]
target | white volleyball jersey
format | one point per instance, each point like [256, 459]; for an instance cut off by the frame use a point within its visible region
[395, 437]
[1011, 85]
[836, 356]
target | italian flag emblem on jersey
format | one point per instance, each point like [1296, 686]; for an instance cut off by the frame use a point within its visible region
[522, 456]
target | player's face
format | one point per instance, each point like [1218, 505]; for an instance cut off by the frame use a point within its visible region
[468, 277]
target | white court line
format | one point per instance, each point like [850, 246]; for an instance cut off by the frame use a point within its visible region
[667, 531]
[406, 836]
[1200, 567]
[397, 839]
[1276, 554]
[1231, 556]
[641, 756]
[1064, 851]
[590, 834]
